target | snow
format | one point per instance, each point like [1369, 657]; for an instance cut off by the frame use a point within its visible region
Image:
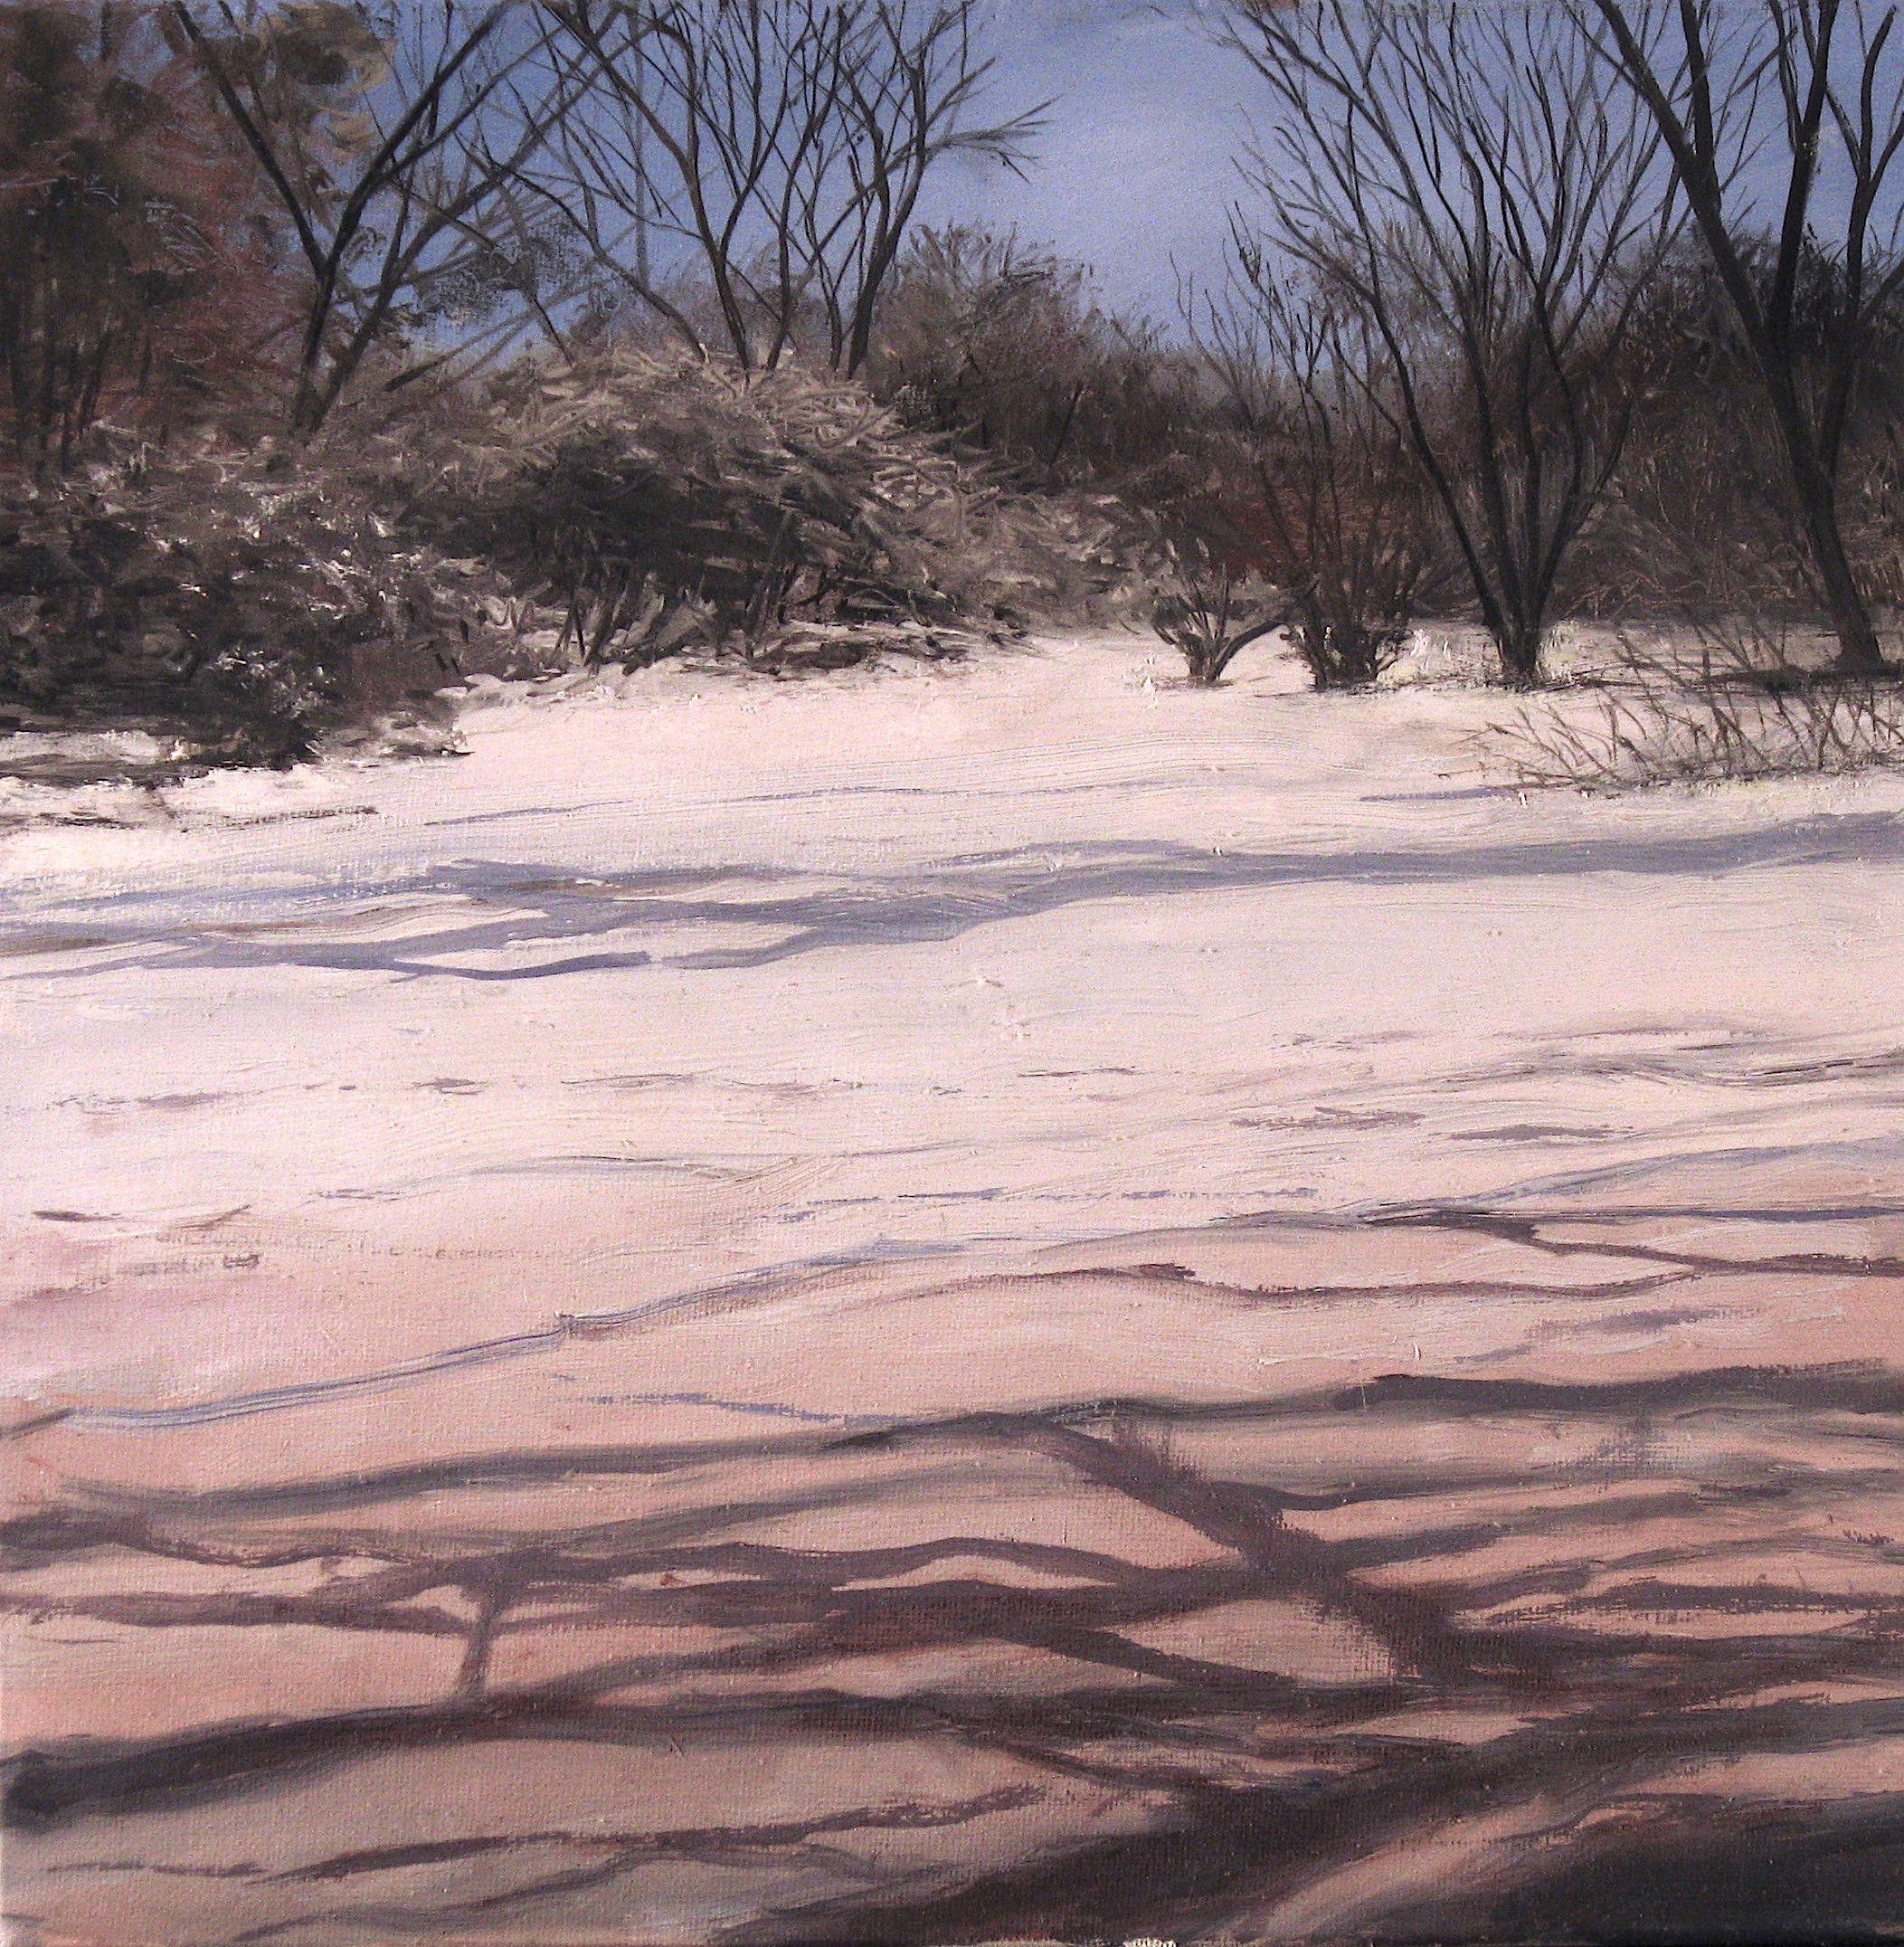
[680, 980]
[854, 1209]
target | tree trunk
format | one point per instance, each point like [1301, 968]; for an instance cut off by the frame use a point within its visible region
[1816, 489]
[1518, 645]
[1860, 652]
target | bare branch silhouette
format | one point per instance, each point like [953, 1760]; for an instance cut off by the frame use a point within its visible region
[782, 144]
[1470, 181]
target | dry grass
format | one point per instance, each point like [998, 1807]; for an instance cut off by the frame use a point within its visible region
[1738, 705]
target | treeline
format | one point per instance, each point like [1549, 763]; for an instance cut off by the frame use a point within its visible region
[1617, 281]
[347, 351]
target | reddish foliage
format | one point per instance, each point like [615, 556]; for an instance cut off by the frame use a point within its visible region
[141, 283]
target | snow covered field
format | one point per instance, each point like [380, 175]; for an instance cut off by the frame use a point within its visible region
[410, 1169]
[652, 993]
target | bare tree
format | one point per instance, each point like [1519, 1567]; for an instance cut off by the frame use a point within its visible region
[380, 141]
[1748, 101]
[779, 145]
[598, 175]
[1467, 178]
[1339, 518]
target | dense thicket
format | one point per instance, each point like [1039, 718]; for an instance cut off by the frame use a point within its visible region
[657, 502]
[250, 615]
[1005, 348]
[1703, 520]
[137, 279]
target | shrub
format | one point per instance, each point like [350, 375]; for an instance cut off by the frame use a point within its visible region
[1211, 613]
[250, 613]
[1703, 520]
[1002, 347]
[659, 502]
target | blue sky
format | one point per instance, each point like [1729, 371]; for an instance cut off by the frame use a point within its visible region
[1134, 171]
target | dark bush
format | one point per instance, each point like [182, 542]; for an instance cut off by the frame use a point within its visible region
[1211, 612]
[1003, 348]
[138, 278]
[247, 613]
[1315, 484]
[1701, 525]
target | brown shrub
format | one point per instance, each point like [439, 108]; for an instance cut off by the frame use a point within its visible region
[658, 502]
